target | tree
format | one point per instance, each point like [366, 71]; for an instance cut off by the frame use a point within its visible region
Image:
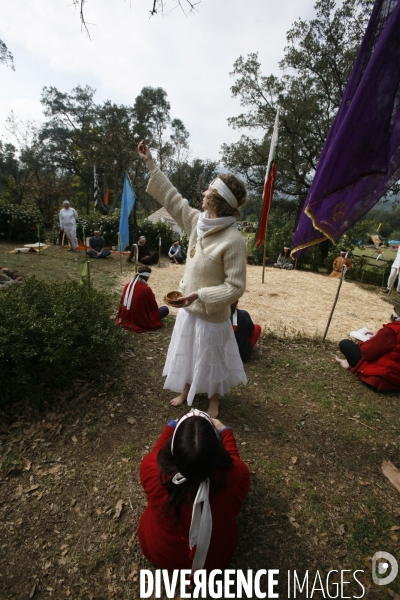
[56, 160]
[191, 179]
[316, 66]
[152, 113]
[5, 56]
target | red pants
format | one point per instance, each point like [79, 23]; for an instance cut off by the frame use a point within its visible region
[256, 334]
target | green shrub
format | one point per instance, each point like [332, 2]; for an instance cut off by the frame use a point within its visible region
[108, 225]
[152, 231]
[278, 234]
[50, 333]
[19, 223]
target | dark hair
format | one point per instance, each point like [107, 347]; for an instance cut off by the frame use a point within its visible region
[238, 189]
[145, 269]
[198, 454]
[283, 250]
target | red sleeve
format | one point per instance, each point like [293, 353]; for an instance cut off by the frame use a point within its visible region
[239, 470]
[152, 302]
[379, 344]
[149, 469]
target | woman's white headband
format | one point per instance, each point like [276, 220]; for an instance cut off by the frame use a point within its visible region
[224, 191]
[193, 413]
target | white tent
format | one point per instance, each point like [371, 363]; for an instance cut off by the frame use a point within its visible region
[163, 216]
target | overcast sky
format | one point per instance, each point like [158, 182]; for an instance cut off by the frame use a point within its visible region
[189, 56]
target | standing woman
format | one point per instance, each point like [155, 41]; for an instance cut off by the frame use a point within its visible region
[203, 356]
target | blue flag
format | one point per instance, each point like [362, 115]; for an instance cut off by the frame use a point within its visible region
[128, 200]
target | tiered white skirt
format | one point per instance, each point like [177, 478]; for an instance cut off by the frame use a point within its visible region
[203, 354]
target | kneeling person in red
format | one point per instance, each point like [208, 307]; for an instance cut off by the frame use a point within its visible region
[138, 310]
[195, 484]
[246, 333]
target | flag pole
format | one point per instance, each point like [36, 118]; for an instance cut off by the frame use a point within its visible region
[268, 191]
[342, 275]
[266, 227]
[264, 252]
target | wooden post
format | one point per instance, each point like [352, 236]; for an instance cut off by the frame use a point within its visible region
[343, 273]
[159, 252]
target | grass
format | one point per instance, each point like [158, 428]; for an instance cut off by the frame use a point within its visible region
[55, 264]
[312, 435]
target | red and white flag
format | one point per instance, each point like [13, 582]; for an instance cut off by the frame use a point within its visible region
[269, 184]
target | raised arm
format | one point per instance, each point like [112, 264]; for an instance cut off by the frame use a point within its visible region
[164, 192]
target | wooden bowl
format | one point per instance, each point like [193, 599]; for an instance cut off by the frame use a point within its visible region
[174, 299]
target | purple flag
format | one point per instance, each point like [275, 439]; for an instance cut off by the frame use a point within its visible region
[360, 159]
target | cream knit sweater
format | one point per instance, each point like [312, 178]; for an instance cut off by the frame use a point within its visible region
[215, 264]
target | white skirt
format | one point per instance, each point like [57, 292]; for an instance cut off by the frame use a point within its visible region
[203, 354]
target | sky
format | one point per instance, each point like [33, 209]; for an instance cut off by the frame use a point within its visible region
[190, 56]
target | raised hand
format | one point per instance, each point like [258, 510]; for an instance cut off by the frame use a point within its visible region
[145, 155]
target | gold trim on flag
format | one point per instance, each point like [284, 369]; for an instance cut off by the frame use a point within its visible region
[311, 216]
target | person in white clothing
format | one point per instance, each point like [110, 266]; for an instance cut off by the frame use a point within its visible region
[203, 356]
[68, 217]
[394, 271]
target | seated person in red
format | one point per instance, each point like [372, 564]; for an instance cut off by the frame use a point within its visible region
[195, 484]
[138, 310]
[377, 361]
[246, 333]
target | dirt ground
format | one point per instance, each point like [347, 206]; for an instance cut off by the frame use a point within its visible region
[291, 303]
[312, 435]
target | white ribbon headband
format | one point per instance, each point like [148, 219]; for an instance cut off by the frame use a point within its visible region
[131, 287]
[201, 524]
[224, 191]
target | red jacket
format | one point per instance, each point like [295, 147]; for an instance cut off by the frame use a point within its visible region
[166, 544]
[143, 314]
[380, 363]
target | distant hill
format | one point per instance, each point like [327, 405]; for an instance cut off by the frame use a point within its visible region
[387, 203]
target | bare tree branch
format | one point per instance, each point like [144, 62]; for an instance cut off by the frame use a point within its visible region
[158, 6]
[79, 4]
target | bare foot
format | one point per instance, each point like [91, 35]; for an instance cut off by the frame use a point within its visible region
[181, 398]
[213, 404]
[392, 473]
[342, 362]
